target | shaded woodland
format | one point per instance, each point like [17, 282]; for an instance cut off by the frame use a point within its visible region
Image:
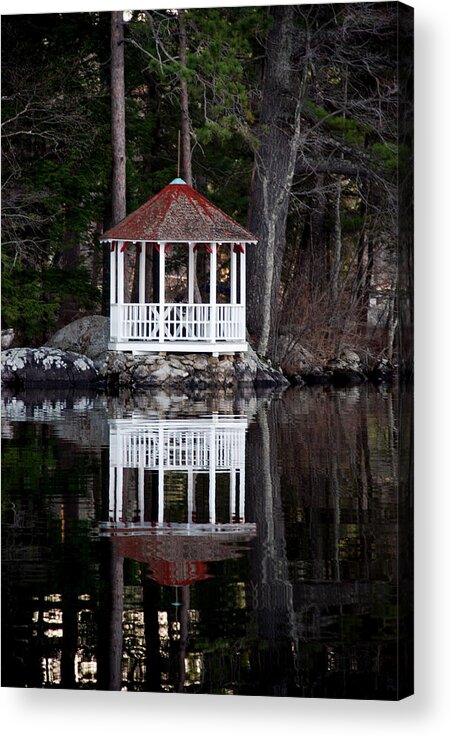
[292, 119]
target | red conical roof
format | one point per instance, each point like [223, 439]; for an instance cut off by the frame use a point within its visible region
[179, 213]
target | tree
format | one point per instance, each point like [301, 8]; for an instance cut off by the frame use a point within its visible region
[53, 158]
[118, 183]
[283, 94]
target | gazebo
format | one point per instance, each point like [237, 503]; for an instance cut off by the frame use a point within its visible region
[178, 216]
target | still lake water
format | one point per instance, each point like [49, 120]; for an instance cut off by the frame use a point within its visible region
[253, 544]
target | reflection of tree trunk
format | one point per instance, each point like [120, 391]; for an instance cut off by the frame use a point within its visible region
[117, 607]
[70, 637]
[183, 636]
[271, 589]
[151, 602]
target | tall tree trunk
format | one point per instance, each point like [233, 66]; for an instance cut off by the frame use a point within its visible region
[282, 97]
[118, 192]
[118, 202]
[184, 106]
[336, 261]
[186, 128]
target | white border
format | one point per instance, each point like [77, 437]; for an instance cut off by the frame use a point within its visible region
[39, 712]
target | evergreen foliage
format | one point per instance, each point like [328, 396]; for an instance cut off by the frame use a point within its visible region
[56, 152]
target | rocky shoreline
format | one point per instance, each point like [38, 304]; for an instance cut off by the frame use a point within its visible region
[78, 355]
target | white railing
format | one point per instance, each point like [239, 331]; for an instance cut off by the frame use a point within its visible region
[181, 322]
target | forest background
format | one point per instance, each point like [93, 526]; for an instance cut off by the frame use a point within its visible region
[293, 121]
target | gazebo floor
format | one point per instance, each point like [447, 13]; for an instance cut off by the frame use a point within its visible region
[185, 347]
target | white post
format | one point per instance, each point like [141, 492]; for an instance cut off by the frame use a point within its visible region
[213, 268]
[242, 486]
[141, 491]
[160, 476]
[190, 496]
[120, 273]
[243, 291]
[114, 327]
[119, 492]
[142, 274]
[190, 272]
[243, 276]
[113, 249]
[232, 487]
[162, 279]
[232, 274]
[212, 479]
[112, 493]
[117, 326]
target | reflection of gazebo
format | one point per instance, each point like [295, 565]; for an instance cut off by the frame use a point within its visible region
[179, 452]
[178, 216]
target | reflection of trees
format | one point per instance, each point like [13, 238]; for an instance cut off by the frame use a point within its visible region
[340, 486]
[270, 587]
[313, 607]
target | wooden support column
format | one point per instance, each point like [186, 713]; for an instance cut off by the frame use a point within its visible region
[243, 276]
[114, 310]
[233, 283]
[113, 269]
[142, 274]
[120, 273]
[213, 311]
[243, 291]
[191, 262]
[161, 286]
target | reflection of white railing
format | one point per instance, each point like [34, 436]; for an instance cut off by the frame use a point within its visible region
[180, 322]
[191, 446]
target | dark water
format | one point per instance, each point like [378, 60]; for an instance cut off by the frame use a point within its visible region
[277, 561]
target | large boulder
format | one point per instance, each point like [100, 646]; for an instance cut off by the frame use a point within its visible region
[293, 357]
[8, 336]
[46, 366]
[88, 336]
[346, 368]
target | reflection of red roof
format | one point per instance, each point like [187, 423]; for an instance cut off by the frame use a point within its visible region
[178, 559]
[179, 213]
[178, 572]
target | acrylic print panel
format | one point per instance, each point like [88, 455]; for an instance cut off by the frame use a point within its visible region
[206, 522]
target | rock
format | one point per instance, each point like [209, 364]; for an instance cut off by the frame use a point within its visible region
[88, 336]
[293, 357]
[47, 366]
[350, 357]
[297, 380]
[8, 336]
[346, 369]
[382, 371]
[317, 376]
